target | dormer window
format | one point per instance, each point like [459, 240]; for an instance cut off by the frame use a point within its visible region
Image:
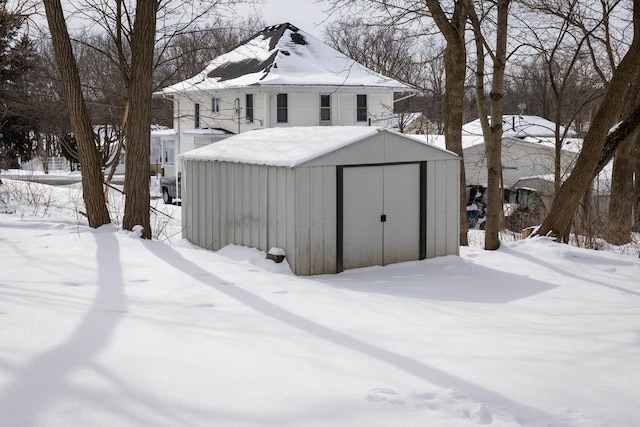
[361, 108]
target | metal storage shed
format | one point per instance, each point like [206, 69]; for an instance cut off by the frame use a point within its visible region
[333, 198]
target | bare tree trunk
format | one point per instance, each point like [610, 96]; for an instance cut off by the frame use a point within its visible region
[138, 131]
[636, 191]
[558, 221]
[455, 62]
[492, 133]
[88, 153]
[620, 215]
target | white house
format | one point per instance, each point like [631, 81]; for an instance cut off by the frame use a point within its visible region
[333, 198]
[280, 77]
[528, 149]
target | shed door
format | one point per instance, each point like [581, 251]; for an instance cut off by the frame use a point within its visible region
[381, 215]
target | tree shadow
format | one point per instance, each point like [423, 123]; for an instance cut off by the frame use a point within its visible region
[567, 273]
[441, 279]
[45, 378]
[396, 360]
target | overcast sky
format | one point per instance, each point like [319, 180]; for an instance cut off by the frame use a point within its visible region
[308, 15]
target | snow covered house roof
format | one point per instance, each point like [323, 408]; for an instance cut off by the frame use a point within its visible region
[518, 126]
[283, 55]
[288, 147]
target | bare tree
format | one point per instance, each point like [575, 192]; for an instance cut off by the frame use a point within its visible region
[97, 212]
[453, 29]
[418, 18]
[597, 140]
[491, 120]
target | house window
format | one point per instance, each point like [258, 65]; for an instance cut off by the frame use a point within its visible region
[282, 108]
[325, 109]
[215, 105]
[196, 116]
[249, 102]
[361, 108]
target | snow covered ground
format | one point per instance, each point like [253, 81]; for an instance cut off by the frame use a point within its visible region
[102, 328]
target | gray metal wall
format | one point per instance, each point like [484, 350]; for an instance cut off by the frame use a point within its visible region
[296, 208]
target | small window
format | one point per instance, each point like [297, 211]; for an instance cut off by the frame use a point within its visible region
[215, 105]
[249, 104]
[325, 108]
[196, 116]
[282, 107]
[169, 153]
[361, 108]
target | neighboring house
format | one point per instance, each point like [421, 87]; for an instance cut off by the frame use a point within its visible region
[332, 198]
[413, 123]
[528, 149]
[163, 155]
[280, 77]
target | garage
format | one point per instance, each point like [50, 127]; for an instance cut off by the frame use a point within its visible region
[333, 198]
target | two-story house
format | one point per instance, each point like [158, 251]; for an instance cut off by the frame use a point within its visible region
[281, 76]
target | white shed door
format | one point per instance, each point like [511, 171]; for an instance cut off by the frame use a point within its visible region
[381, 215]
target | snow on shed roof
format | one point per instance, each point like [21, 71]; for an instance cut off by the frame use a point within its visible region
[289, 147]
[283, 55]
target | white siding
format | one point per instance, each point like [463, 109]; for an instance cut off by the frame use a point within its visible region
[347, 109]
[519, 160]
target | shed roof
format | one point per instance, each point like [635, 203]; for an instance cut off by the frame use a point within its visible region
[283, 55]
[289, 147]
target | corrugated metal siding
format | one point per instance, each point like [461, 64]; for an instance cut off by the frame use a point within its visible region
[443, 226]
[315, 216]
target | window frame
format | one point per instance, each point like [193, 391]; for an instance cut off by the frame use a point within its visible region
[249, 107]
[282, 111]
[215, 105]
[325, 108]
[196, 115]
[362, 112]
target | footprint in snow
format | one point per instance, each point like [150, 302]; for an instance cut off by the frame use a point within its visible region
[280, 292]
[139, 281]
[206, 305]
[72, 284]
[385, 395]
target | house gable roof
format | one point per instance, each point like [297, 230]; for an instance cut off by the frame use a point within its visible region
[518, 126]
[283, 55]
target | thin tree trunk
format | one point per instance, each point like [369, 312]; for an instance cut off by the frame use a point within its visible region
[88, 154]
[455, 61]
[492, 133]
[138, 131]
